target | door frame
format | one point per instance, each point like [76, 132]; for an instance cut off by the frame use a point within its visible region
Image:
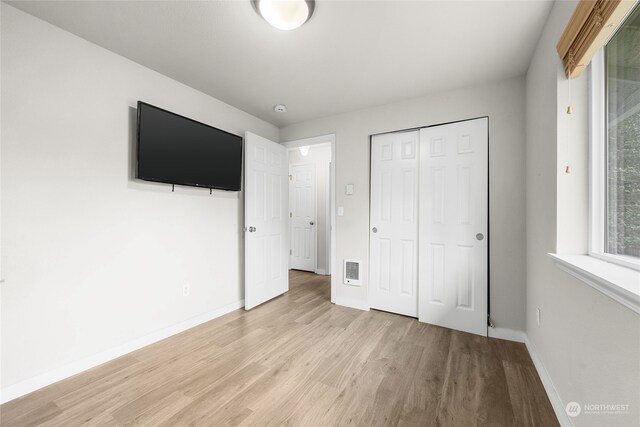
[329, 139]
[488, 199]
[315, 212]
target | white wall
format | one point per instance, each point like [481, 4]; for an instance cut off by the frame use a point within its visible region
[504, 103]
[588, 343]
[321, 157]
[93, 259]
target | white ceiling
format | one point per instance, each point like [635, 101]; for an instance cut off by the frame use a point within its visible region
[350, 55]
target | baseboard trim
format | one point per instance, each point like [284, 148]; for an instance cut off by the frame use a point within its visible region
[32, 384]
[552, 393]
[346, 302]
[507, 334]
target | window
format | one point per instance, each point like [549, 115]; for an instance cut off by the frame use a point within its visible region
[622, 62]
[614, 155]
[615, 150]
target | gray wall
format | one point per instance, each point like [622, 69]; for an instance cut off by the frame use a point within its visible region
[91, 258]
[588, 343]
[504, 103]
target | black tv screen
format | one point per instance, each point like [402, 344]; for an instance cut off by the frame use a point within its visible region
[177, 150]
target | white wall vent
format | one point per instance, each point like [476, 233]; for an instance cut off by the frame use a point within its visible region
[352, 272]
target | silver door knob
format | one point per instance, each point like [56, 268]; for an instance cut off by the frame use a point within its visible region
[252, 229]
[311, 222]
[374, 229]
[479, 236]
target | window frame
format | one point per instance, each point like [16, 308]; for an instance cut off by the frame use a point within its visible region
[598, 167]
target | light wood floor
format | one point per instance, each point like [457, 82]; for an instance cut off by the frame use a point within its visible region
[300, 360]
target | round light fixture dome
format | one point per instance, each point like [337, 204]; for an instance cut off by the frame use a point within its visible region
[280, 108]
[285, 14]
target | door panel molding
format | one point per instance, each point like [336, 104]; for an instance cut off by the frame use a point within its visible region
[393, 234]
[266, 224]
[454, 210]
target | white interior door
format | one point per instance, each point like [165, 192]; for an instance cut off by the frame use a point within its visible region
[393, 236]
[302, 205]
[454, 201]
[266, 223]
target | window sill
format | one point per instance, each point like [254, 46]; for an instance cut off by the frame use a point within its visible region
[619, 283]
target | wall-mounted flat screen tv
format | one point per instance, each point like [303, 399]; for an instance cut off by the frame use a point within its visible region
[177, 150]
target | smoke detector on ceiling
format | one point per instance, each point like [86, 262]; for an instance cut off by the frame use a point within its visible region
[280, 108]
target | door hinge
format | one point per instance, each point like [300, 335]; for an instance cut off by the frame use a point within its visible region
[290, 214]
[290, 177]
[290, 252]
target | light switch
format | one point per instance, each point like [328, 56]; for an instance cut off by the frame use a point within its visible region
[348, 189]
[340, 211]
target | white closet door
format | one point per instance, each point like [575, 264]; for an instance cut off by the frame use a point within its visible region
[266, 203]
[302, 196]
[393, 234]
[454, 204]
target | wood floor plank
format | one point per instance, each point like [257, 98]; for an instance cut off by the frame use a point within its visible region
[425, 392]
[530, 405]
[357, 397]
[299, 372]
[474, 384]
[312, 409]
[87, 411]
[102, 420]
[36, 417]
[514, 352]
[197, 412]
[390, 397]
[276, 394]
[348, 359]
[35, 401]
[299, 360]
[148, 405]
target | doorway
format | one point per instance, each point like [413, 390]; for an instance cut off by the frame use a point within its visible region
[311, 201]
[304, 213]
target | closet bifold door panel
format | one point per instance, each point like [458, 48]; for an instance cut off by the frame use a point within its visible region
[393, 233]
[453, 217]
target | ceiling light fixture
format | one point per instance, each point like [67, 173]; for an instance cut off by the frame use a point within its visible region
[304, 150]
[285, 14]
[280, 108]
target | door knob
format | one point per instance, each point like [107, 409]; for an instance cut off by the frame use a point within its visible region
[374, 229]
[479, 236]
[311, 222]
[252, 229]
